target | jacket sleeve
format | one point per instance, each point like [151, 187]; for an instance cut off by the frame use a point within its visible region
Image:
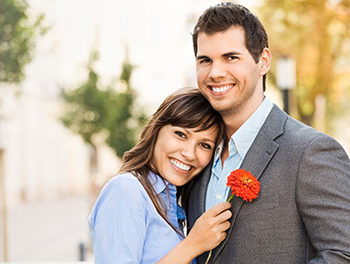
[323, 199]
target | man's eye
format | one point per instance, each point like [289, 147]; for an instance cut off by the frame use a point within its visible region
[180, 134]
[231, 58]
[204, 61]
[205, 145]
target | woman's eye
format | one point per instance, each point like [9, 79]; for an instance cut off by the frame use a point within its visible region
[205, 145]
[180, 134]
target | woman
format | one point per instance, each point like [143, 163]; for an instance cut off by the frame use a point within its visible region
[136, 217]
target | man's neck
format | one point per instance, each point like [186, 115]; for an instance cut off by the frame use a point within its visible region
[234, 120]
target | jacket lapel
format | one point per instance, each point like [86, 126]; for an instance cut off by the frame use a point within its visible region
[256, 160]
[202, 192]
[198, 191]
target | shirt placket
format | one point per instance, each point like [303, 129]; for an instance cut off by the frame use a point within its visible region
[229, 165]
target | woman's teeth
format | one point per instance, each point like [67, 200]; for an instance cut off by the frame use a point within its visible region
[180, 165]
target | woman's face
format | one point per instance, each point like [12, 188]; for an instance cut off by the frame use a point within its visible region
[181, 153]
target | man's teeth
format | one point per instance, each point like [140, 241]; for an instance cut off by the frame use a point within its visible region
[180, 165]
[222, 88]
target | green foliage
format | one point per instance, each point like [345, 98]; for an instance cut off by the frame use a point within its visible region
[86, 109]
[17, 36]
[121, 137]
[316, 34]
[93, 110]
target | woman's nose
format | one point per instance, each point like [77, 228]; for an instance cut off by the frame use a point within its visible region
[188, 151]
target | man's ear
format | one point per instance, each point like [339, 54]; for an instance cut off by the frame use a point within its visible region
[265, 61]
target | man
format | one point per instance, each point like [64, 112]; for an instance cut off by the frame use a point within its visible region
[302, 213]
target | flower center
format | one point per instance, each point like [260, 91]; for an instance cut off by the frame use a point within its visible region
[246, 181]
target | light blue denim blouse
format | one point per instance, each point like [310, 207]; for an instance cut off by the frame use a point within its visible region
[125, 226]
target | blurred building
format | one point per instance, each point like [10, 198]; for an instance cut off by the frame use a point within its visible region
[42, 158]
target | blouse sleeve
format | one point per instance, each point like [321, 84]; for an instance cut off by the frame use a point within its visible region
[118, 221]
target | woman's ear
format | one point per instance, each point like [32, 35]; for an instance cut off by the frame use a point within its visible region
[265, 61]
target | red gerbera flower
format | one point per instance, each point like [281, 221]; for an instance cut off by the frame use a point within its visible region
[243, 184]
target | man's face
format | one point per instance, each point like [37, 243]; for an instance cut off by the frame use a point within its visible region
[227, 74]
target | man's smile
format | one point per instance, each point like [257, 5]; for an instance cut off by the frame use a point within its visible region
[220, 89]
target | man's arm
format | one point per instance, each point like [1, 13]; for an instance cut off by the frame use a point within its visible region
[323, 198]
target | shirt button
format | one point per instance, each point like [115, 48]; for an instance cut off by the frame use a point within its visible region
[218, 196]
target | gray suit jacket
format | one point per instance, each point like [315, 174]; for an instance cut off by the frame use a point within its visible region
[302, 214]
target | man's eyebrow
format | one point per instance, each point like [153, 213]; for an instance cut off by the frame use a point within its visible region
[231, 53]
[200, 57]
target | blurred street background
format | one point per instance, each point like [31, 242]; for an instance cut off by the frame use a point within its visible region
[49, 230]
[79, 78]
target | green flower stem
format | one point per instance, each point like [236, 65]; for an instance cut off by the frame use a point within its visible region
[229, 199]
[206, 262]
[210, 252]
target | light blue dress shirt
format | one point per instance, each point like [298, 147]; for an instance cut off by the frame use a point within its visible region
[238, 147]
[125, 226]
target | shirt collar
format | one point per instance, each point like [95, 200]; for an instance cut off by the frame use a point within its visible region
[243, 138]
[158, 183]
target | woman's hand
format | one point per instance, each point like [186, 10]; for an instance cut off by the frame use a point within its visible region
[209, 229]
[206, 234]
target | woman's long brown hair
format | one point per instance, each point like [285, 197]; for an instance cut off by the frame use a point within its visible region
[186, 108]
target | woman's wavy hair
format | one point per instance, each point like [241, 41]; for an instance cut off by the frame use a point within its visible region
[186, 108]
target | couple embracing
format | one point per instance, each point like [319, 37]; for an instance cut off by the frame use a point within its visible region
[174, 179]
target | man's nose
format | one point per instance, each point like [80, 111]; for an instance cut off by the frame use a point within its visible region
[217, 71]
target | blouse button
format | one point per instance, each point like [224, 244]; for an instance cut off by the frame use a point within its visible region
[218, 196]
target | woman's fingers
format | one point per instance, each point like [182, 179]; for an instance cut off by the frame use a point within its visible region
[209, 229]
[219, 208]
[222, 227]
[224, 216]
[220, 231]
[219, 213]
